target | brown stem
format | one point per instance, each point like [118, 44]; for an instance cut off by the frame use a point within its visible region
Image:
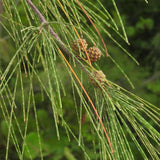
[36, 11]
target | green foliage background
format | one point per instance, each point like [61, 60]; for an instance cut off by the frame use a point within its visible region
[142, 27]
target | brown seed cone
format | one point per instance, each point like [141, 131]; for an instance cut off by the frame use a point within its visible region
[94, 53]
[99, 76]
[79, 44]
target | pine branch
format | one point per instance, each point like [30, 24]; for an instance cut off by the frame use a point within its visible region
[62, 45]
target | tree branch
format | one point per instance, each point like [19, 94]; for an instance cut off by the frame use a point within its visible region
[36, 11]
[62, 45]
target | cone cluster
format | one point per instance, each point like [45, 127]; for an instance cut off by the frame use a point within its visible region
[98, 76]
[94, 53]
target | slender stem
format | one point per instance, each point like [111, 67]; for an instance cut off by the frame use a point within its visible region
[36, 11]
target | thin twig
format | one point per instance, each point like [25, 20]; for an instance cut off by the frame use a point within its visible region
[36, 11]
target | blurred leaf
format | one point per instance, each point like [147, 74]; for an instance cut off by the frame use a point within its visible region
[32, 147]
[52, 145]
[145, 23]
[68, 154]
